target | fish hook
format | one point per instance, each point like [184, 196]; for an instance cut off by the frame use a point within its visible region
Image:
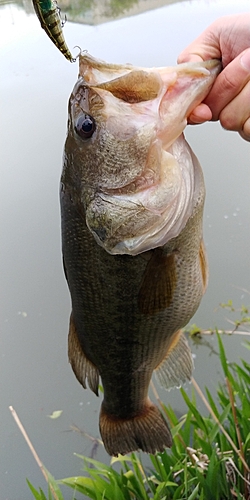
[81, 51]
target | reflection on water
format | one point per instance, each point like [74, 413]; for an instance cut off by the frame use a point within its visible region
[99, 11]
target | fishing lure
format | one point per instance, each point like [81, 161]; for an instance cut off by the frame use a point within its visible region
[48, 14]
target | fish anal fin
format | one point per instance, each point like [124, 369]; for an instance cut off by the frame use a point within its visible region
[177, 366]
[203, 265]
[82, 367]
[158, 284]
[148, 431]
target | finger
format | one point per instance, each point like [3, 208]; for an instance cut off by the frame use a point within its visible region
[202, 113]
[245, 133]
[235, 115]
[229, 84]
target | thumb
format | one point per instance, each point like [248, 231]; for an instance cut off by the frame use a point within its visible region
[205, 46]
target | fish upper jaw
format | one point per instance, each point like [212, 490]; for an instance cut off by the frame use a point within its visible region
[169, 92]
[189, 86]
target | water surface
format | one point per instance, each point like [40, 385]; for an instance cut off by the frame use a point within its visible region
[35, 85]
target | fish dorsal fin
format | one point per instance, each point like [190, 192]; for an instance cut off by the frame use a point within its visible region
[158, 284]
[82, 367]
[177, 366]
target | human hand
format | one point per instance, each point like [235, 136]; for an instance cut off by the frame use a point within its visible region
[228, 39]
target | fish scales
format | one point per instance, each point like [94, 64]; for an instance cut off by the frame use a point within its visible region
[134, 257]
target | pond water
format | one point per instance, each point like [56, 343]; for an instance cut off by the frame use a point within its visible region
[36, 82]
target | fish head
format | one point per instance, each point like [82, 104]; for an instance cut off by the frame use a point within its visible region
[125, 154]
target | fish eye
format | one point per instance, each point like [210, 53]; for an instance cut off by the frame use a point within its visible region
[85, 126]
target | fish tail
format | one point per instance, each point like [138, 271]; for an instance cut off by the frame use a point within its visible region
[148, 432]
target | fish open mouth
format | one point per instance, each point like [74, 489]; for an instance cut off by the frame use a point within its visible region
[139, 213]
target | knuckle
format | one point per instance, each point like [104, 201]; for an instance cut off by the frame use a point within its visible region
[230, 83]
[228, 120]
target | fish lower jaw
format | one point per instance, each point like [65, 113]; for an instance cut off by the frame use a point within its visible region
[168, 226]
[141, 184]
[158, 219]
[166, 206]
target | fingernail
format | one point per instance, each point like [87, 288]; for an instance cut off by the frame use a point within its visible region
[189, 58]
[245, 60]
[194, 119]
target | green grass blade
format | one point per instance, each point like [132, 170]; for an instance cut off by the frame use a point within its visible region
[98, 465]
[163, 489]
[176, 429]
[38, 495]
[199, 419]
[212, 403]
[137, 480]
[246, 443]
[243, 374]
[223, 358]
[53, 484]
[84, 485]
[221, 419]
[159, 467]
[194, 493]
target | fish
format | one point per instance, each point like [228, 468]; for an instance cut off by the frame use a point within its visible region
[132, 195]
[48, 14]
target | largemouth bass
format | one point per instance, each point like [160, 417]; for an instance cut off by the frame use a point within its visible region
[132, 196]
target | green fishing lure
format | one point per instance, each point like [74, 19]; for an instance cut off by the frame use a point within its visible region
[48, 14]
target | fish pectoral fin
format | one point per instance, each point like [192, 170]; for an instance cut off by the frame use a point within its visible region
[82, 367]
[203, 265]
[177, 366]
[159, 282]
[147, 431]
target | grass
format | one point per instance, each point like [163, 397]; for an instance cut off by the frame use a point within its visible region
[209, 459]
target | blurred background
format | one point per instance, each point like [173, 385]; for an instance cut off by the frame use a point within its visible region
[36, 82]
